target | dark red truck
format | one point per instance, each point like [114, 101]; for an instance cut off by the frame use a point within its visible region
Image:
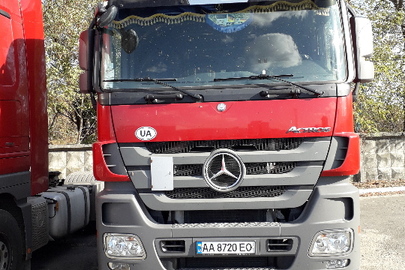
[225, 132]
[32, 209]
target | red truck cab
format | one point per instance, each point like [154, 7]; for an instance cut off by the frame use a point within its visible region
[225, 132]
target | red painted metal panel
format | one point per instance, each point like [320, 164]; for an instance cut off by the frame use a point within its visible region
[23, 115]
[14, 122]
[100, 168]
[104, 124]
[344, 127]
[15, 163]
[32, 17]
[351, 164]
[344, 116]
[240, 120]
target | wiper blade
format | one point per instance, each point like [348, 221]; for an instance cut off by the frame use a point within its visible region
[264, 76]
[194, 96]
[146, 79]
[161, 81]
[254, 77]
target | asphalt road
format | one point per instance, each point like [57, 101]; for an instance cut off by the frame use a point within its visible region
[76, 252]
[383, 232]
[382, 240]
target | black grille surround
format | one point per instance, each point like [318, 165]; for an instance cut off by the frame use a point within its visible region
[209, 146]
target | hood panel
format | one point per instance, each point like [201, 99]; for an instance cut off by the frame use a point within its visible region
[238, 120]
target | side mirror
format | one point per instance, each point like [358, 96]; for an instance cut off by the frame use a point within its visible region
[364, 48]
[83, 40]
[85, 61]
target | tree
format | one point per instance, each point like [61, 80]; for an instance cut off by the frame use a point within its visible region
[71, 116]
[381, 104]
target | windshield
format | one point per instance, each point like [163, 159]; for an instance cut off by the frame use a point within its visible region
[197, 45]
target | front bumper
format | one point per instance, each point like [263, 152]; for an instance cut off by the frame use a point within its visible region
[333, 205]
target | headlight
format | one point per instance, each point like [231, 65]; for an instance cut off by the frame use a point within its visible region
[124, 246]
[332, 242]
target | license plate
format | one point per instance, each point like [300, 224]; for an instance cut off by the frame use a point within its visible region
[225, 248]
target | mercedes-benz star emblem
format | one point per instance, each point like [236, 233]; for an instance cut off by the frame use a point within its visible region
[221, 107]
[224, 170]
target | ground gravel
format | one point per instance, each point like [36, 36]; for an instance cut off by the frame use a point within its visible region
[380, 185]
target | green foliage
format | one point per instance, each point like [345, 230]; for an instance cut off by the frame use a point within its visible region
[381, 104]
[375, 113]
[71, 116]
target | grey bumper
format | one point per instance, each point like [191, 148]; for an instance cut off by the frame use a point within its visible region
[333, 205]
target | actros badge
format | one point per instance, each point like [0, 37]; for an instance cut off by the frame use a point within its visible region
[309, 129]
[146, 133]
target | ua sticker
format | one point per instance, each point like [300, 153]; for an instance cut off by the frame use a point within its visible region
[146, 133]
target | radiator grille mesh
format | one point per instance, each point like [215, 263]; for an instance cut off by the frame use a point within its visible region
[209, 146]
[241, 192]
[251, 168]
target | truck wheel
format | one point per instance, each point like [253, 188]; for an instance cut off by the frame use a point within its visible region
[11, 243]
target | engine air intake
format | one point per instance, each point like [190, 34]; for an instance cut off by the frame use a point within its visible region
[209, 146]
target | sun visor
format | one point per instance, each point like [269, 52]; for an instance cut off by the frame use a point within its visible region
[209, 2]
[162, 3]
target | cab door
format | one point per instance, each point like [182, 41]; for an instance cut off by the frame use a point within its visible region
[14, 114]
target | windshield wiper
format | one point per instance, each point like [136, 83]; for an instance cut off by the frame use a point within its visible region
[146, 79]
[154, 98]
[194, 96]
[264, 76]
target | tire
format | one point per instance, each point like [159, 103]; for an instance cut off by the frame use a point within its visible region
[11, 243]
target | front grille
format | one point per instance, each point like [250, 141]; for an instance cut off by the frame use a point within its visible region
[279, 173]
[251, 168]
[269, 168]
[188, 170]
[209, 146]
[241, 192]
